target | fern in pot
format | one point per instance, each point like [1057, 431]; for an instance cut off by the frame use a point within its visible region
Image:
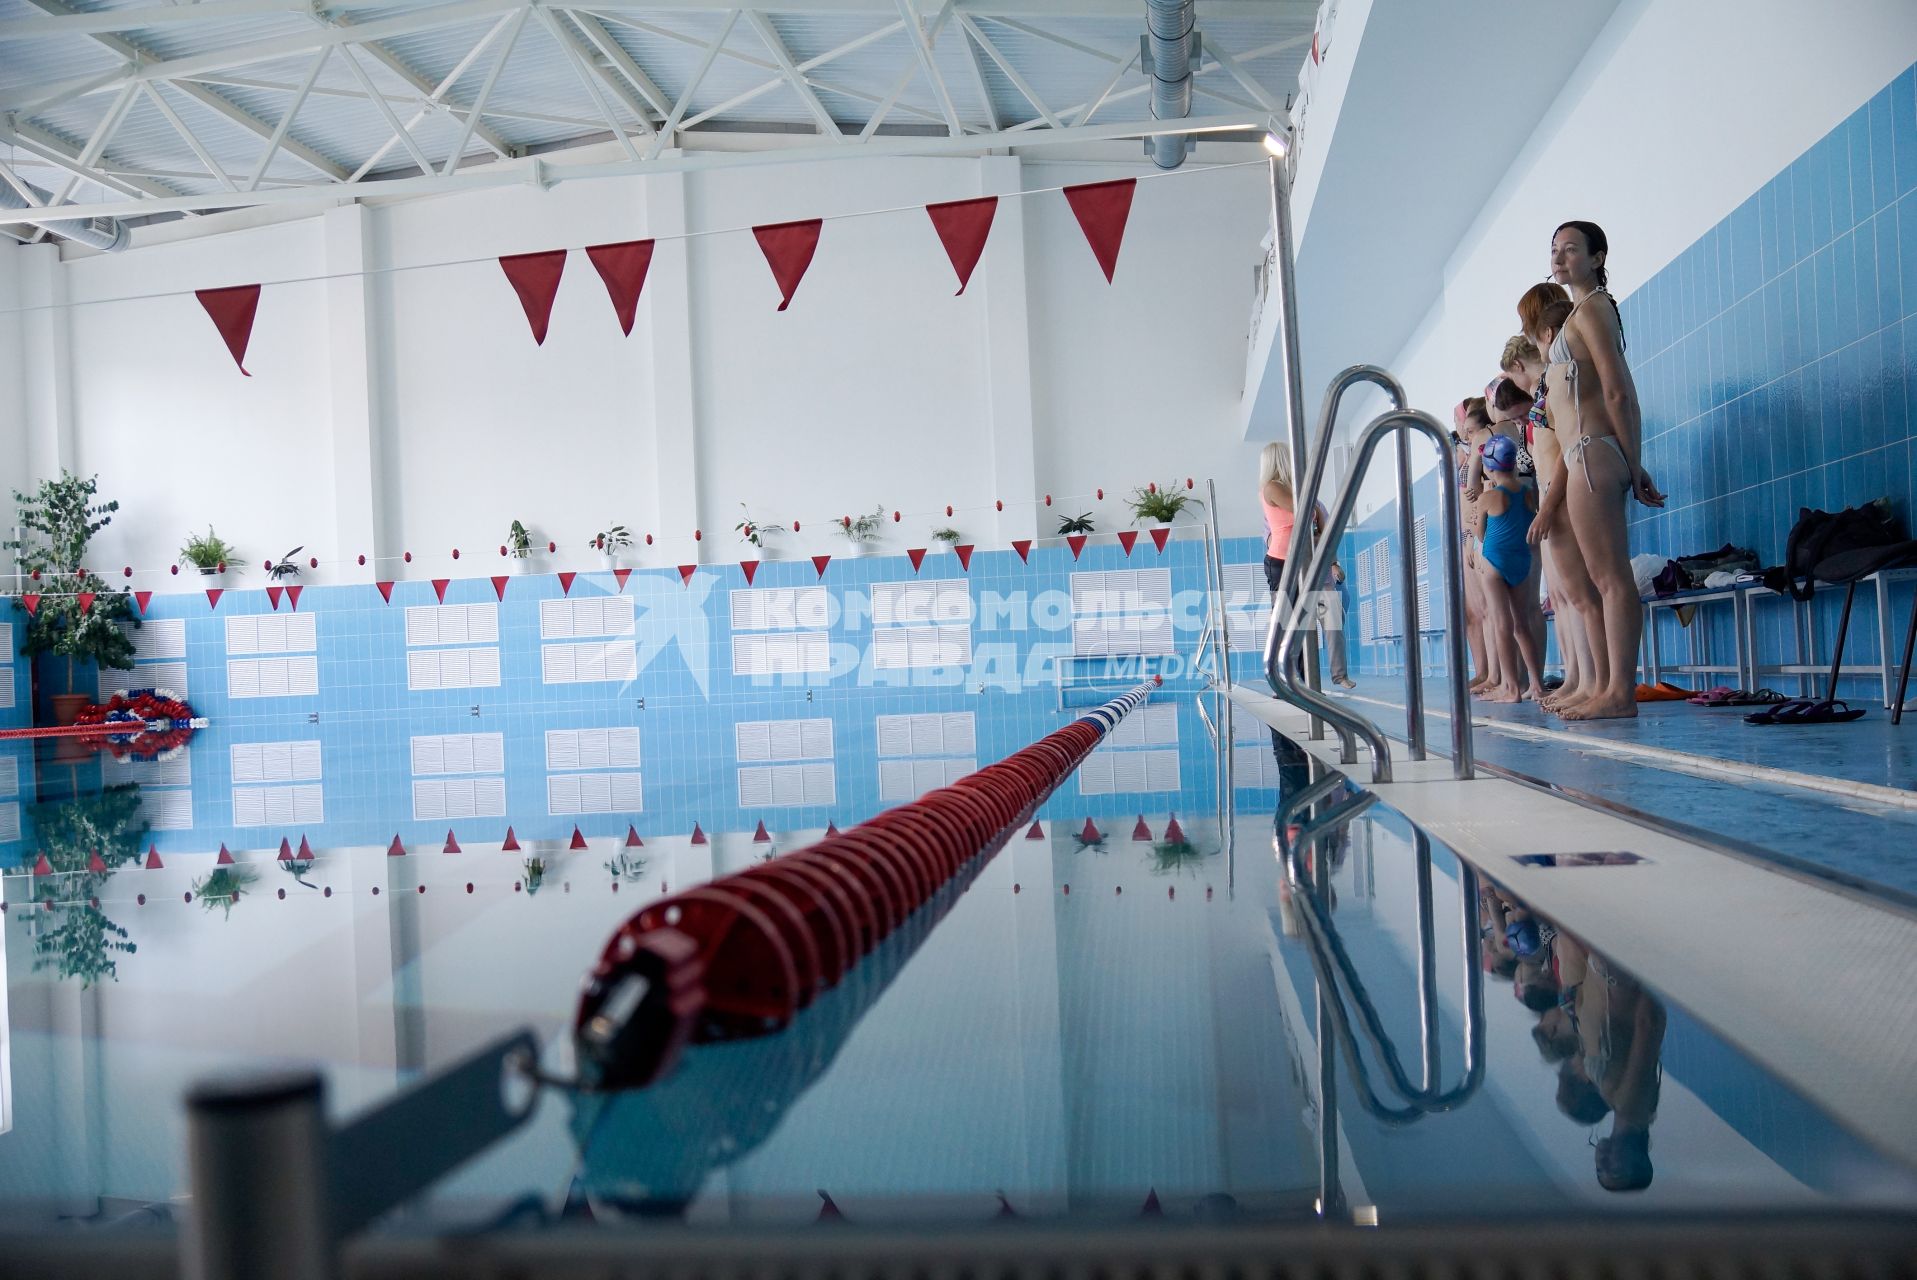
[945, 539]
[1154, 507]
[212, 555]
[863, 531]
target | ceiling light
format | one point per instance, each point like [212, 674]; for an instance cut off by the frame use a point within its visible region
[1275, 143]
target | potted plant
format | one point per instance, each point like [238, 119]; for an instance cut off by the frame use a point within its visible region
[212, 555]
[78, 940]
[285, 567]
[766, 537]
[945, 539]
[519, 547]
[1155, 508]
[863, 531]
[56, 522]
[222, 888]
[1075, 524]
[535, 874]
[611, 542]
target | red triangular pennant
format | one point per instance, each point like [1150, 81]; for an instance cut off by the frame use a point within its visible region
[698, 835]
[1076, 541]
[1101, 209]
[153, 858]
[96, 864]
[1152, 1208]
[1141, 831]
[820, 562]
[499, 587]
[1090, 833]
[917, 556]
[1158, 537]
[962, 226]
[623, 267]
[32, 603]
[622, 575]
[1127, 538]
[751, 569]
[86, 601]
[964, 552]
[565, 582]
[293, 595]
[286, 850]
[632, 838]
[685, 573]
[213, 595]
[788, 248]
[1024, 548]
[511, 843]
[761, 835]
[395, 849]
[1036, 833]
[535, 278]
[578, 841]
[232, 314]
[306, 850]
[831, 827]
[385, 591]
[142, 598]
[452, 844]
[273, 595]
[43, 867]
[1173, 832]
[439, 588]
[224, 859]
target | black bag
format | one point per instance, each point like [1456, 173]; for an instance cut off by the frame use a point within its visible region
[1829, 546]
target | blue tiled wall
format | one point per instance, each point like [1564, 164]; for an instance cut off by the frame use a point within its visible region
[1776, 366]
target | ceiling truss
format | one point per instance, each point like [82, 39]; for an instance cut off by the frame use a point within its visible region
[902, 87]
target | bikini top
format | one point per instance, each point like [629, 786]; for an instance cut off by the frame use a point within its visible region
[1560, 352]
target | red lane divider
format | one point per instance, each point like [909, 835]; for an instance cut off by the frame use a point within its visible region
[741, 956]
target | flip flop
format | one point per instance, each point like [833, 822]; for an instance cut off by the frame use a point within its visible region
[1823, 711]
[1770, 714]
[1715, 697]
[1662, 692]
[1759, 698]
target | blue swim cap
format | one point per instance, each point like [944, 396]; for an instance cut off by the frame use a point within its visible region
[1500, 453]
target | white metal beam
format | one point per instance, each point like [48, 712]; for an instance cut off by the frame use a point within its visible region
[413, 79]
[513, 173]
[622, 62]
[608, 79]
[37, 141]
[286, 120]
[401, 100]
[144, 17]
[1084, 113]
[980, 83]
[192, 140]
[922, 47]
[400, 131]
[588, 76]
[1011, 72]
[781, 55]
[671, 126]
[19, 184]
[485, 92]
[1230, 64]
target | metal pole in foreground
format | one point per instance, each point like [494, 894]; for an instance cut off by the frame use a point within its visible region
[257, 1163]
[1217, 584]
[1298, 433]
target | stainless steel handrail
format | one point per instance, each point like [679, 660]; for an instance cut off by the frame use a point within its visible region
[1395, 420]
[1215, 554]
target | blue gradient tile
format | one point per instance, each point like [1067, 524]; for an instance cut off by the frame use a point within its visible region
[1895, 470]
[1791, 215]
[1723, 284]
[1864, 279]
[1883, 149]
[1843, 385]
[1890, 276]
[1845, 285]
[1903, 127]
[1836, 144]
[1815, 191]
[1907, 252]
[1780, 327]
[1910, 374]
[1871, 380]
[1768, 263]
[1896, 358]
[1829, 335]
[1856, 132]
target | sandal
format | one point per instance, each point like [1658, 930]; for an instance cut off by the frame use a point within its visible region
[1715, 697]
[1822, 711]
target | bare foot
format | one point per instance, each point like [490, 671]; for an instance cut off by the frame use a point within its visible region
[1562, 697]
[1604, 707]
[1501, 693]
[1534, 694]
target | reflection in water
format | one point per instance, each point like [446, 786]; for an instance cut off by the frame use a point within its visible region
[84, 839]
[1596, 1023]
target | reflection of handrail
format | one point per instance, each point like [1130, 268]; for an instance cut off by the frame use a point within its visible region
[1396, 420]
[1215, 556]
[1335, 969]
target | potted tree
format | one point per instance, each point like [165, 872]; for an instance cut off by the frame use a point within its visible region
[766, 537]
[56, 523]
[611, 543]
[519, 547]
[945, 539]
[863, 531]
[212, 555]
[79, 940]
[1156, 508]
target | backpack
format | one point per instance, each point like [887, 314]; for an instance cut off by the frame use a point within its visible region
[1819, 537]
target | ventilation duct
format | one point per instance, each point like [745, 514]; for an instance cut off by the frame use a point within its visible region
[1170, 52]
[105, 234]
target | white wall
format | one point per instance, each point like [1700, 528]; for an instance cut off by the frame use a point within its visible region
[1681, 109]
[409, 410]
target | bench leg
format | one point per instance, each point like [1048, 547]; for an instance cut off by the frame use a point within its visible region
[1837, 650]
[1903, 670]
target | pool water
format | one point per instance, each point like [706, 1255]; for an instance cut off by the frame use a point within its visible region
[1089, 1029]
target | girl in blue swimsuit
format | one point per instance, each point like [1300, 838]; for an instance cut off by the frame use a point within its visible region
[1504, 558]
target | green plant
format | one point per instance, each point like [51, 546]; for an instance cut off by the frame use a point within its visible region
[535, 875]
[626, 865]
[297, 868]
[1169, 857]
[82, 942]
[1075, 524]
[519, 541]
[222, 888]
[753, 531]
[863, 528]
[612, 539]
[1160, 503]
[285, 567]
[209, 552]
[947, 534]
[56, 523]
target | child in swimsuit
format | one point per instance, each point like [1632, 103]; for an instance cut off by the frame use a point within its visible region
[1504, 558]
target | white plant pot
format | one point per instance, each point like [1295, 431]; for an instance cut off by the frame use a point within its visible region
[608, 560]
[214, 577]
[769, 548]
[860, 547]
[519, 566]
[940, 547]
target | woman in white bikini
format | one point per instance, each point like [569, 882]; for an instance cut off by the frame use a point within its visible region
[1599, 465]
